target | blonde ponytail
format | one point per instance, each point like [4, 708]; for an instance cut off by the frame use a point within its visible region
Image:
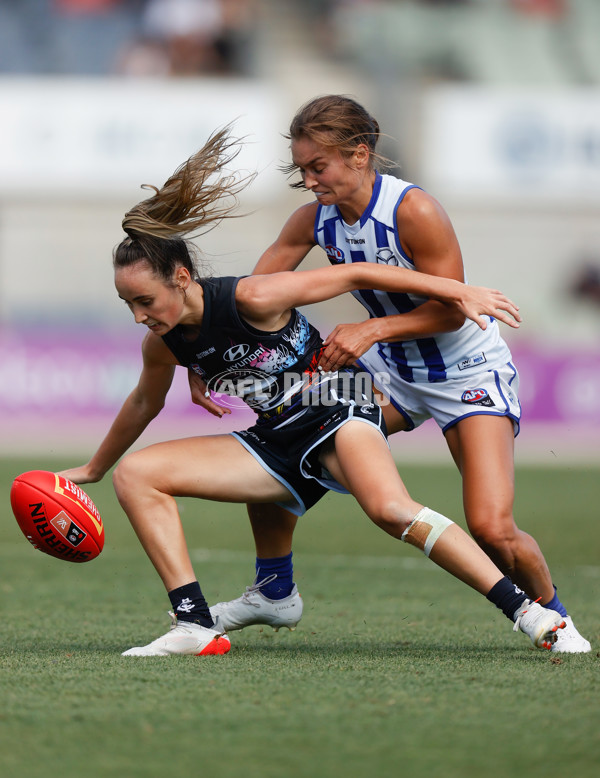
[192, 198]
[199, 195]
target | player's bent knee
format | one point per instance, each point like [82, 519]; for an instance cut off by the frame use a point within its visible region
[425, 530]
[391, 516]
[497, 536]
[120, 480]
[126, 476]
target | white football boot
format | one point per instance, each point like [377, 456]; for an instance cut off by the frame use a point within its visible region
[254, 608]
[185, 638]
[569, 641]
[538, 623]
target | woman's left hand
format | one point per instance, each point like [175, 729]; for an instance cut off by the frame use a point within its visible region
[475, 302]
[200, 395]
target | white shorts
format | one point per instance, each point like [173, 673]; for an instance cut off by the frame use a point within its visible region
[482, 392]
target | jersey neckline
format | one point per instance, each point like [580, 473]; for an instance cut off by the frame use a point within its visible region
[364, 217]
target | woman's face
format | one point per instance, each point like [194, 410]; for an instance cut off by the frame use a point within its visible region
[332, 178]
[151, 300]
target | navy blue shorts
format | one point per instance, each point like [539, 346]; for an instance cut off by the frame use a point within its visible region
[287, 445]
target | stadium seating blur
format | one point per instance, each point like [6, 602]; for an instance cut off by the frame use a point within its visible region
[495, 42]
[129, 37]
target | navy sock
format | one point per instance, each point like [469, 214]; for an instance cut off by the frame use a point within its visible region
[282, 568]
[506, 596]
[555, 604]
[189, 604]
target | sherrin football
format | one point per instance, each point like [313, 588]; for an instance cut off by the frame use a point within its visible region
[57, 516]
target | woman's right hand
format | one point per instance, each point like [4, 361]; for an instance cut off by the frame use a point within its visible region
[82, 475]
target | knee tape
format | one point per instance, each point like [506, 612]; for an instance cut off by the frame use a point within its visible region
[425, 529]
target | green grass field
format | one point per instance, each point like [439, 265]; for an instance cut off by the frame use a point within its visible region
[395, 670]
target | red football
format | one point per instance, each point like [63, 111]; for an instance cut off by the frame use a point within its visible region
[57, 516]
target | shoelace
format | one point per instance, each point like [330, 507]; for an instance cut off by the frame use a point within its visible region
[182, 624]
[517, 623]
[256, 587]
[523, 612]
[174, 622]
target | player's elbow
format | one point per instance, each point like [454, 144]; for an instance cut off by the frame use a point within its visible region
[151, 409]
[146, 408]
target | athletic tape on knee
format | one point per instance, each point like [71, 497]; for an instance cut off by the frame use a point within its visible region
[425, 529]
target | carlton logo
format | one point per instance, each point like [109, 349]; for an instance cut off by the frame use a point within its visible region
[334, 254]
[236, 352]
[476, 397]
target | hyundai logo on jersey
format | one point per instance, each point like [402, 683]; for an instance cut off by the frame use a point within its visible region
[236, 352]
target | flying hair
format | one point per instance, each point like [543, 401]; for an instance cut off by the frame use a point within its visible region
[199, 194]
[194, 200]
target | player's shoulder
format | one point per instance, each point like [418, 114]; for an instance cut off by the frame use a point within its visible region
[388, 193]
[304, 215]
[155, 350]
[419, 206]
[299, 228]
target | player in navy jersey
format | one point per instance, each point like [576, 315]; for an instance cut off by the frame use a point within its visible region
[245, 334]
[425, 357]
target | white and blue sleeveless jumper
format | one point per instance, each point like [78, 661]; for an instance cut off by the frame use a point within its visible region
[374, 238]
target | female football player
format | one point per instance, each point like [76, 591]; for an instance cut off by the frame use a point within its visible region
[436, 364]
[245, 334]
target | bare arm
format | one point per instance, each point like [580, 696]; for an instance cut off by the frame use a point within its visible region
[143, 404]
[293, 243]
[428, 238]
[265, 300]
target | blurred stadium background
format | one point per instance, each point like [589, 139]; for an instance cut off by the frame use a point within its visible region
[491, 105]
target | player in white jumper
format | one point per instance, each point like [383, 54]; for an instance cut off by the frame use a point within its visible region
[428, 361]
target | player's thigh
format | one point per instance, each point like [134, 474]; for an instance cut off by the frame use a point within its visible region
[361, 461]
[215, 467]
[483, 448]
[394, 420]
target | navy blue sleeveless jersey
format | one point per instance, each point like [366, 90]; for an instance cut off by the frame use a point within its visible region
[263, 368]
[276, 374]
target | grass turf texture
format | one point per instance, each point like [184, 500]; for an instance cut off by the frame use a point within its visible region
[395, 669]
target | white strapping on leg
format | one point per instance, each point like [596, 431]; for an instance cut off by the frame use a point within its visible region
[425, 529]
